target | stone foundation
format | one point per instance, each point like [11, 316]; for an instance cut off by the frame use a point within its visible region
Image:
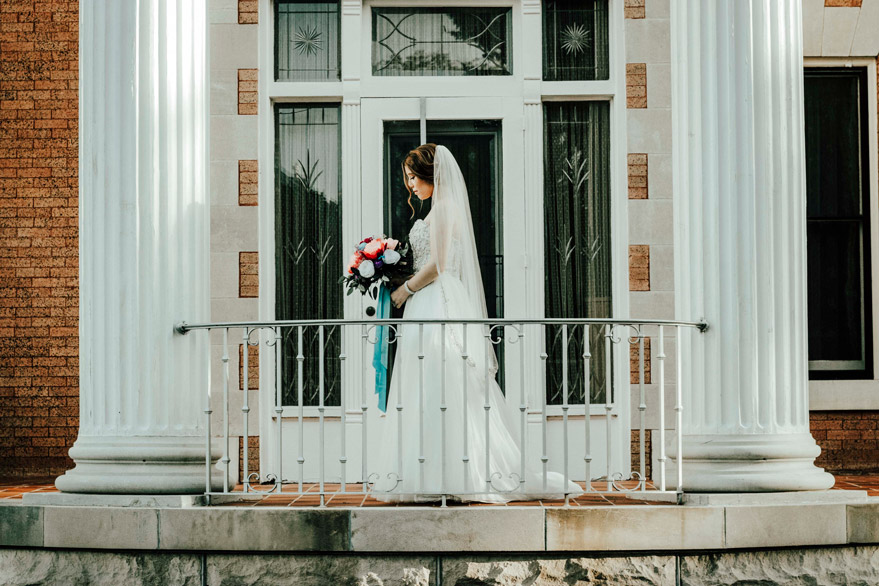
[843, 565]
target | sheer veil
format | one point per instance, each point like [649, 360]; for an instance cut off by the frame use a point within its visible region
[452, 241]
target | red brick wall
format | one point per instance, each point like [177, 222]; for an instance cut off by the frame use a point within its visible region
[849, 440]
[39, 386]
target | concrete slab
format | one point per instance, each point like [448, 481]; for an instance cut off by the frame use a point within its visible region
[452, 529]
[785, 525]
[100, 528]
[862, 523]
[21, 526]
[634, 528]
[762, 498]
[254, 529]
[67, 499]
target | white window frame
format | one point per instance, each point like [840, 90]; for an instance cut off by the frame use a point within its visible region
[857, 394]
[527, 79]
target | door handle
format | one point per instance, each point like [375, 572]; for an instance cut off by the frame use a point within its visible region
[370, 310]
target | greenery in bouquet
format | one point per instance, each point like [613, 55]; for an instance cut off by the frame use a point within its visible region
[377, 260]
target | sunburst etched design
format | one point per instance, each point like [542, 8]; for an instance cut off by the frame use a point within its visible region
[575, 39]
[307, 40]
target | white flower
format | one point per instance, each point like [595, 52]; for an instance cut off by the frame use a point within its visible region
[366, 269]
[391, 257]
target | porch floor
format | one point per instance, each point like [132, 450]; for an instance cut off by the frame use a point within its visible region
[12, 490]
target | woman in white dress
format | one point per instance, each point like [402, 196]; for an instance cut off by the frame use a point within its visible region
[435, 437]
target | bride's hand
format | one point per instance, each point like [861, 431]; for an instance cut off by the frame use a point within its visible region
[399, 296]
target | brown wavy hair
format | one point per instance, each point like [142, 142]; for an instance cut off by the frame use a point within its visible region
[420, 162]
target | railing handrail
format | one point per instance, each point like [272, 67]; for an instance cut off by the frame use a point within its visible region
[184, 327]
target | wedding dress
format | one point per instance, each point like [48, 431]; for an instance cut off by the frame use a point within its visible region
[425, 451]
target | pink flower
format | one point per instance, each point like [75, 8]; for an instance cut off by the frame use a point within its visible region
[374, 249]
[393, 244]
[354, 262]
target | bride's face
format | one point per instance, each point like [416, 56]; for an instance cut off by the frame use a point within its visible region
[421, 188]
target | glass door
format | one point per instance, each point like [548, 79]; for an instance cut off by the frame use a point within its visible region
[476, 145]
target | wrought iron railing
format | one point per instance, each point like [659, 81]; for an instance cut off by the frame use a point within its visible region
[528, 366]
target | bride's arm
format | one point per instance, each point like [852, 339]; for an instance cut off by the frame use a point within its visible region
[424, 277]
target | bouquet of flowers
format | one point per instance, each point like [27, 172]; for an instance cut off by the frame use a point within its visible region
[377, 259]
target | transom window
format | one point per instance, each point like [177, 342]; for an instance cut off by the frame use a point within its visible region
[442, 41]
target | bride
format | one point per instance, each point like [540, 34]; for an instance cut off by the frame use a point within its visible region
[446, 431]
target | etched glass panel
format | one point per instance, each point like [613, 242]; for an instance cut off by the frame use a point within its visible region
[308, 251]
[577, 241]
[442, 41]
[575, 40]
[307, 46]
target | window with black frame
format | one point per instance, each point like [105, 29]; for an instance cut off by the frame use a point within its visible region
[308, 238]
[577, 242]
[838, 223]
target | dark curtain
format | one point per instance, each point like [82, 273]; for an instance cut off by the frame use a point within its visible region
[308, 240]
[577, 240]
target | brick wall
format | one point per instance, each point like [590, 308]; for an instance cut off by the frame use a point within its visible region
[849, 440]
[39, 386]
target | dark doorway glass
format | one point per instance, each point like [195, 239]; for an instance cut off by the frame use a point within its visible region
[476, 146]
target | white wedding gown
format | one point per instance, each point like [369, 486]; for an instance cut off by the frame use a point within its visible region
[414, 426]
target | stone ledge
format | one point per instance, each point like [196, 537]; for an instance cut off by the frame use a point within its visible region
[632, 528]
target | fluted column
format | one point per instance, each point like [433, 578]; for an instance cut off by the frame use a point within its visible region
[144, 242]
[740, 212]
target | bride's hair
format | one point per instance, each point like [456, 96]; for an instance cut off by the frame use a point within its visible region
[420, 162]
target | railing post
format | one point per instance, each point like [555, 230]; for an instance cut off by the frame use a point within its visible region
[642, 409]
[245, 409]
[587, 391]
[225, 458]
[661, 357]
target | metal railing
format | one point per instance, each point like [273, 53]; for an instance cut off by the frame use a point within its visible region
[624, 344]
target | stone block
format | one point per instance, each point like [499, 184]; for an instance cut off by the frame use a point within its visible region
[648, 41]
[100, 528]
[649, 131]
[813, 27]
[234, 138]
[862, 522]
[257, 529]
[452, 529]
[234, 46]
[250, 570]
[21, 567]
[622, 571]
[785, 525]
[634, 528]
[839, 31]
[651, 221]
[21, 526]
[847, 565]
[234, 228]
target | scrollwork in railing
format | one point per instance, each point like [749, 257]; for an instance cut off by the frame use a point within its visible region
[497, 475]
[375, 477]
[253, 478]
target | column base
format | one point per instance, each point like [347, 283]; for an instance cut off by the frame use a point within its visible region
[752, 463]
[139, 465]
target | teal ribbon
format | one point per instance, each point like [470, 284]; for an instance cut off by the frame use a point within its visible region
[380, 354]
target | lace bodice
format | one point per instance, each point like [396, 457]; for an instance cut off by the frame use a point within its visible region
[419, 240]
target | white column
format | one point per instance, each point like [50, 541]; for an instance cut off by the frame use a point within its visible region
[741, 244]
[144, 240]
